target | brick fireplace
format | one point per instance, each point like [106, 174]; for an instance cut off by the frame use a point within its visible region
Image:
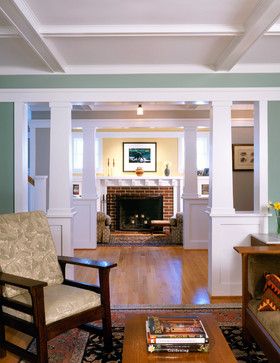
[137, 192]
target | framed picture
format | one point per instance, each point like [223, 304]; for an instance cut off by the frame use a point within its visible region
[140, 154]
[76, 189]
[243, 157]
[204, 189]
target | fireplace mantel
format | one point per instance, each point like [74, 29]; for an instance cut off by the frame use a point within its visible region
[176, 182]
[145, 181]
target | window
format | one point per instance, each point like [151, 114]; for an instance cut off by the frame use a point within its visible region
[77, 150]
[202, 150]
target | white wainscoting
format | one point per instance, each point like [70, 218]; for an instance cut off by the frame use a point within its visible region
[224, 262]
[84, 224]
[196, 223]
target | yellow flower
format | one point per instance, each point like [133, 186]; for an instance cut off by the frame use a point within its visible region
[276, 205]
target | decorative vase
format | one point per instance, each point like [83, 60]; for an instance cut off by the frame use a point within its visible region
[278, 225]
[166, 170]
[139, 171]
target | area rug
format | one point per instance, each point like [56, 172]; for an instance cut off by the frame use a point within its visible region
[76, 346]
[136, 240]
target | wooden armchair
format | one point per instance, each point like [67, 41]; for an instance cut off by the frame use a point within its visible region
[262, 326]
[35, 296]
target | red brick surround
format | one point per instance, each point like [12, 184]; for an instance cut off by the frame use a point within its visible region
[166, 192]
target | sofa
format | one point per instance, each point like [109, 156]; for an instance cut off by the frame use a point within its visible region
[176, 229]
[103, 228]
[263, 326]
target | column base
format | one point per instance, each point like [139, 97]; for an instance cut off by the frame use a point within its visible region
[61, 212]
[190, 196]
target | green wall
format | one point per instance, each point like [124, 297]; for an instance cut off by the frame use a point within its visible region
[273, 156]
[142, 80]
[6, 157]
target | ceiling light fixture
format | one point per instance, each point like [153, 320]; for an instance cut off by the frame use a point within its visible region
[140, 110]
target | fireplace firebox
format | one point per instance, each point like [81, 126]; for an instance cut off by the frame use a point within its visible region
[135, 214]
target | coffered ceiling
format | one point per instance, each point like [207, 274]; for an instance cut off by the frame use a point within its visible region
[129, 36]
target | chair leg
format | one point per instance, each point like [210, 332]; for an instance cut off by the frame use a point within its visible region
[107, 330]
[42, 351]
[3, 351]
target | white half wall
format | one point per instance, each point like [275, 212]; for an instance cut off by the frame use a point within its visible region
[224, 277]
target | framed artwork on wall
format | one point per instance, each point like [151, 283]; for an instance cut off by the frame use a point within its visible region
[140, 154]
[76, 189]
[243, 157]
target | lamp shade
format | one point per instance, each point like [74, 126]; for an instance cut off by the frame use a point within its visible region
[140, 110]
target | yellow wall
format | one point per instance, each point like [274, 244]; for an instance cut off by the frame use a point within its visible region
[167, 150]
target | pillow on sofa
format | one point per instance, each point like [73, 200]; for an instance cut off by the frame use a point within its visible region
[271, 297]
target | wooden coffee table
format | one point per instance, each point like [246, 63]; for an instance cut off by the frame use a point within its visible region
[135, 348]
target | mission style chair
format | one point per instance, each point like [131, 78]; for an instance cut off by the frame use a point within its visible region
[35, 296]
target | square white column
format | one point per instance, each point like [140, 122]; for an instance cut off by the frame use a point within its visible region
[261, 159]
[60, 211]
[60, 179]
[220, 181]
[21, 156]
[89, 173]
[190, 186]
[86, 207]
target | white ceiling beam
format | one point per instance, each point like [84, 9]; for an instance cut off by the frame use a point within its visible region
[21, 17]
[140, 30]
[274, 30]
[8, 32]
[263, 17]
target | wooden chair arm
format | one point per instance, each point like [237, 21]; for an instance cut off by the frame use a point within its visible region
[255, 250]
[101, 265]
[18, 281]
[82, 285]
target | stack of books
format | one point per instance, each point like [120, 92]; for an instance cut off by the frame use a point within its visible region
[176, 334]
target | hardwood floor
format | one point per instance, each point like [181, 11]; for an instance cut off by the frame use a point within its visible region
[154, 275]
[147, 275]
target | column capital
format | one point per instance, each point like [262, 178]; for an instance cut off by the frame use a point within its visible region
[222, 103]
[89, 127]
[60, 104]
[190, 128]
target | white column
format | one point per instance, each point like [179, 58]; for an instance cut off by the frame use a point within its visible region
[89, 177]
[190, 187]
[85, 220]
[220, 181]
[21, 156]
[195, 224]
[220, 196]
[40, 191]
[261, 160]
[60, 211]
[60, 188]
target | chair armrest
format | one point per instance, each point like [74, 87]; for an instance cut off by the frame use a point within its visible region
[255, 250]
[173, 222]
[107, 220]
[23, 282]
[101, 265]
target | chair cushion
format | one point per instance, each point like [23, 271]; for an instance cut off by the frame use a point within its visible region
[61, 301]
[271, 297]
[27, 249]
[257, 266]
[269, 319]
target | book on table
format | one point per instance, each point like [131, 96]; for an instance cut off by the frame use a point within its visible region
[178, 348]
[178, 334]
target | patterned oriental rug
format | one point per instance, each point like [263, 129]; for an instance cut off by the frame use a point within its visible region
[77, 346]
[137, 239]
